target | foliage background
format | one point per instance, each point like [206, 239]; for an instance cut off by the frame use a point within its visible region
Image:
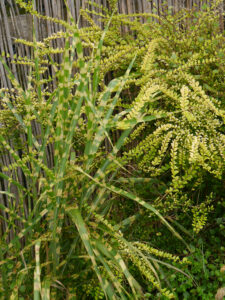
[193, 206]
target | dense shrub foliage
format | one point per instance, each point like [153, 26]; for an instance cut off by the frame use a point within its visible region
[179, 77]
[121, 153]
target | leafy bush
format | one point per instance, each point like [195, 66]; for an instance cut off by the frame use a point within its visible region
[179, 77]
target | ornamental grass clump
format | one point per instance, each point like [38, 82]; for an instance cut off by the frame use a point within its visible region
[58, 236]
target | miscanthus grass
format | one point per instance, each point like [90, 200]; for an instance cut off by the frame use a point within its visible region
[58, 237]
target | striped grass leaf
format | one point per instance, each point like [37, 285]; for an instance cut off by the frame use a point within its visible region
[100, 173]
[127, 222]
[118, 260]
[99, 135]
[112, 277]
[46, 285]
[16, 183]
[134, 198]
[28, 226]
[37, 272]
[64, 134]
[137, 255]
[91, 94]
[27, 249]
[97, 59]
[4, 274]
[19, 281]
[76, 217]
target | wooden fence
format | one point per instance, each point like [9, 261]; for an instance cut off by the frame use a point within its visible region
[15, 24]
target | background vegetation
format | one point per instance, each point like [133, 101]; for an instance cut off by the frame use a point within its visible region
[112, 155]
